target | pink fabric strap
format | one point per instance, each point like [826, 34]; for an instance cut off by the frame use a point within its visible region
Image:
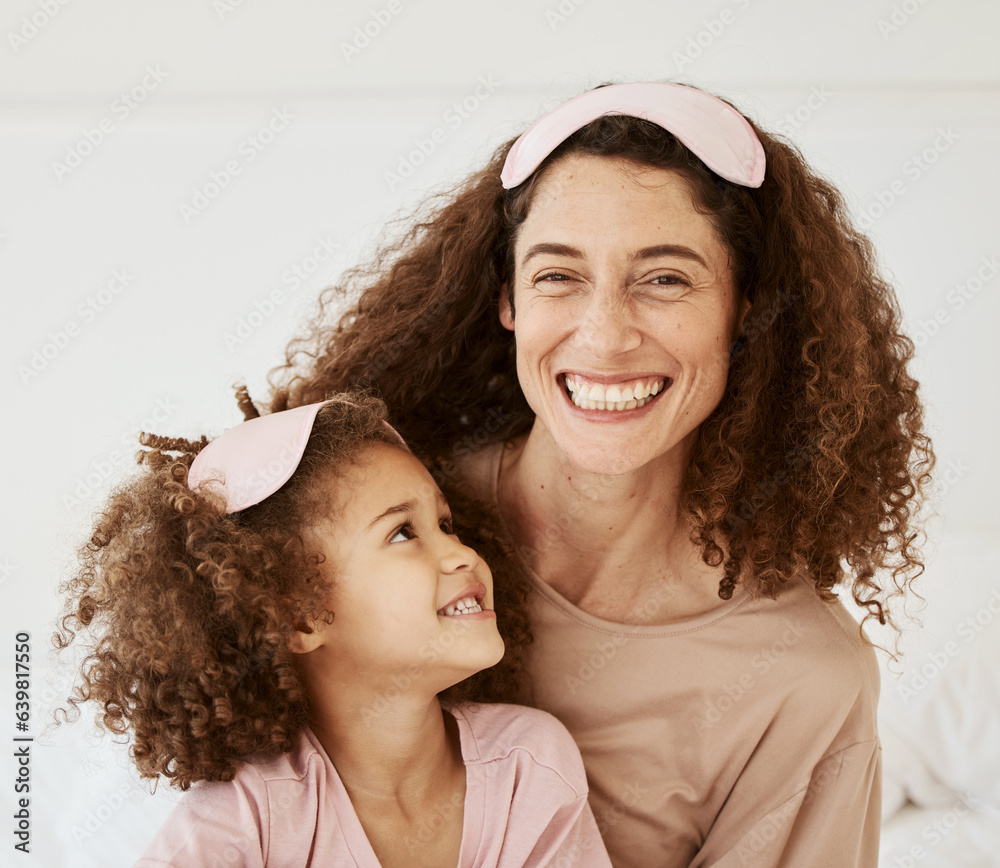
[712, 129]
[254, 459]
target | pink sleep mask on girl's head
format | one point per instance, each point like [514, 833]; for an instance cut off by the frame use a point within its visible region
[711, 129]
[253, 460]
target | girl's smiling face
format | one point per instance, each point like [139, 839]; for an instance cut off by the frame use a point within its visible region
[408, 598]
[625, 312]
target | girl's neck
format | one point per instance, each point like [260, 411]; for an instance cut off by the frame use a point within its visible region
[615, 546]
[401, 764]
[396, 750]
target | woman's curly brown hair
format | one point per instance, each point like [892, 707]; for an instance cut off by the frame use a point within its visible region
[815, 459]
[190, 610]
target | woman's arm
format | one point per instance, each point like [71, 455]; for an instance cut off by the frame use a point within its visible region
[832, 823]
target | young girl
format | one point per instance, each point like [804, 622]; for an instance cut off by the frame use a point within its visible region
[276, 614]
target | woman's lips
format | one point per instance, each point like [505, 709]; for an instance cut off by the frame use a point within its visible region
[612, 396]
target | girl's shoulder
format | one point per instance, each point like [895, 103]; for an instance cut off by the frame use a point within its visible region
[306, 759]
[499, 732]
[262, 810]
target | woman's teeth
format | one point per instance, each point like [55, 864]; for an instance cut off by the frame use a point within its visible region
[465, 606]
[623, 397]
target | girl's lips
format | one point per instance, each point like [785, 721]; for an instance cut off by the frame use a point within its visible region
[474, 591]
[484, 615]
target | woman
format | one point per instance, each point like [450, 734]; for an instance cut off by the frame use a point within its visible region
[647, 335]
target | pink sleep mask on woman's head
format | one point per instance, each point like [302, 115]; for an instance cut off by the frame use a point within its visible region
[711, 129]
[253, 460]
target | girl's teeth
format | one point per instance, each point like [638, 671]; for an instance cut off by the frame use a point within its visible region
[468, 606]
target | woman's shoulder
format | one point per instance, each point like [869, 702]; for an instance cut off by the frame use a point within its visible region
[820, 651]
[475, 470]
[824, 627]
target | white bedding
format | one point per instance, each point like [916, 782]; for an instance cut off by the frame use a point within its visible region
[940, 720]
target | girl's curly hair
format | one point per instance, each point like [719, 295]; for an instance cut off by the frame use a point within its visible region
[190, 610]
[815, 459]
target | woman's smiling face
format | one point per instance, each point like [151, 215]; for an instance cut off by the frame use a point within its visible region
[624, 312]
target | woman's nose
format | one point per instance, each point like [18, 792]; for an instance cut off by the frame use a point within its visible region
[606, 328]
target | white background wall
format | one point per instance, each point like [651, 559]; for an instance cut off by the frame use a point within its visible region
[895, 101]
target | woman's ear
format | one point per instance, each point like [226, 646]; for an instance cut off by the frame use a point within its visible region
[742, 311]
[738, 340]
[506, 308]
[743, 306]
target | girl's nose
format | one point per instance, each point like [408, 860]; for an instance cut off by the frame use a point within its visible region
[456, 556]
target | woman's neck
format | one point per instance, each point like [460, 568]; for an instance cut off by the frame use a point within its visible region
[615, 546]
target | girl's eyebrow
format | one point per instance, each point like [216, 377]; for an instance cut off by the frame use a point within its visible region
[406, 507]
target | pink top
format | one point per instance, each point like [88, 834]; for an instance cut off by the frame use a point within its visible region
[525, 805]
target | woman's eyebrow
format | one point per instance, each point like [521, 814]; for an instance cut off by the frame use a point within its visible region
[668, 250]
[553, 249]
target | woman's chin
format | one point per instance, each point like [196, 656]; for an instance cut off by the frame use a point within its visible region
[605, 459]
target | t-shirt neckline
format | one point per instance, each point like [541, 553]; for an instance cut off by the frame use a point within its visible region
[474, 809]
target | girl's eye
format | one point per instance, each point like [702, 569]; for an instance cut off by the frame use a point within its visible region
[403, 534]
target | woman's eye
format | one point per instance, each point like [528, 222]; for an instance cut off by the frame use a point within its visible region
[447, 526]
[558, 284]
[669, 280]
[554, 277]
[403, 534]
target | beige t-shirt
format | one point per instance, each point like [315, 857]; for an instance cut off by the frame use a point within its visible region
[743, 737]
